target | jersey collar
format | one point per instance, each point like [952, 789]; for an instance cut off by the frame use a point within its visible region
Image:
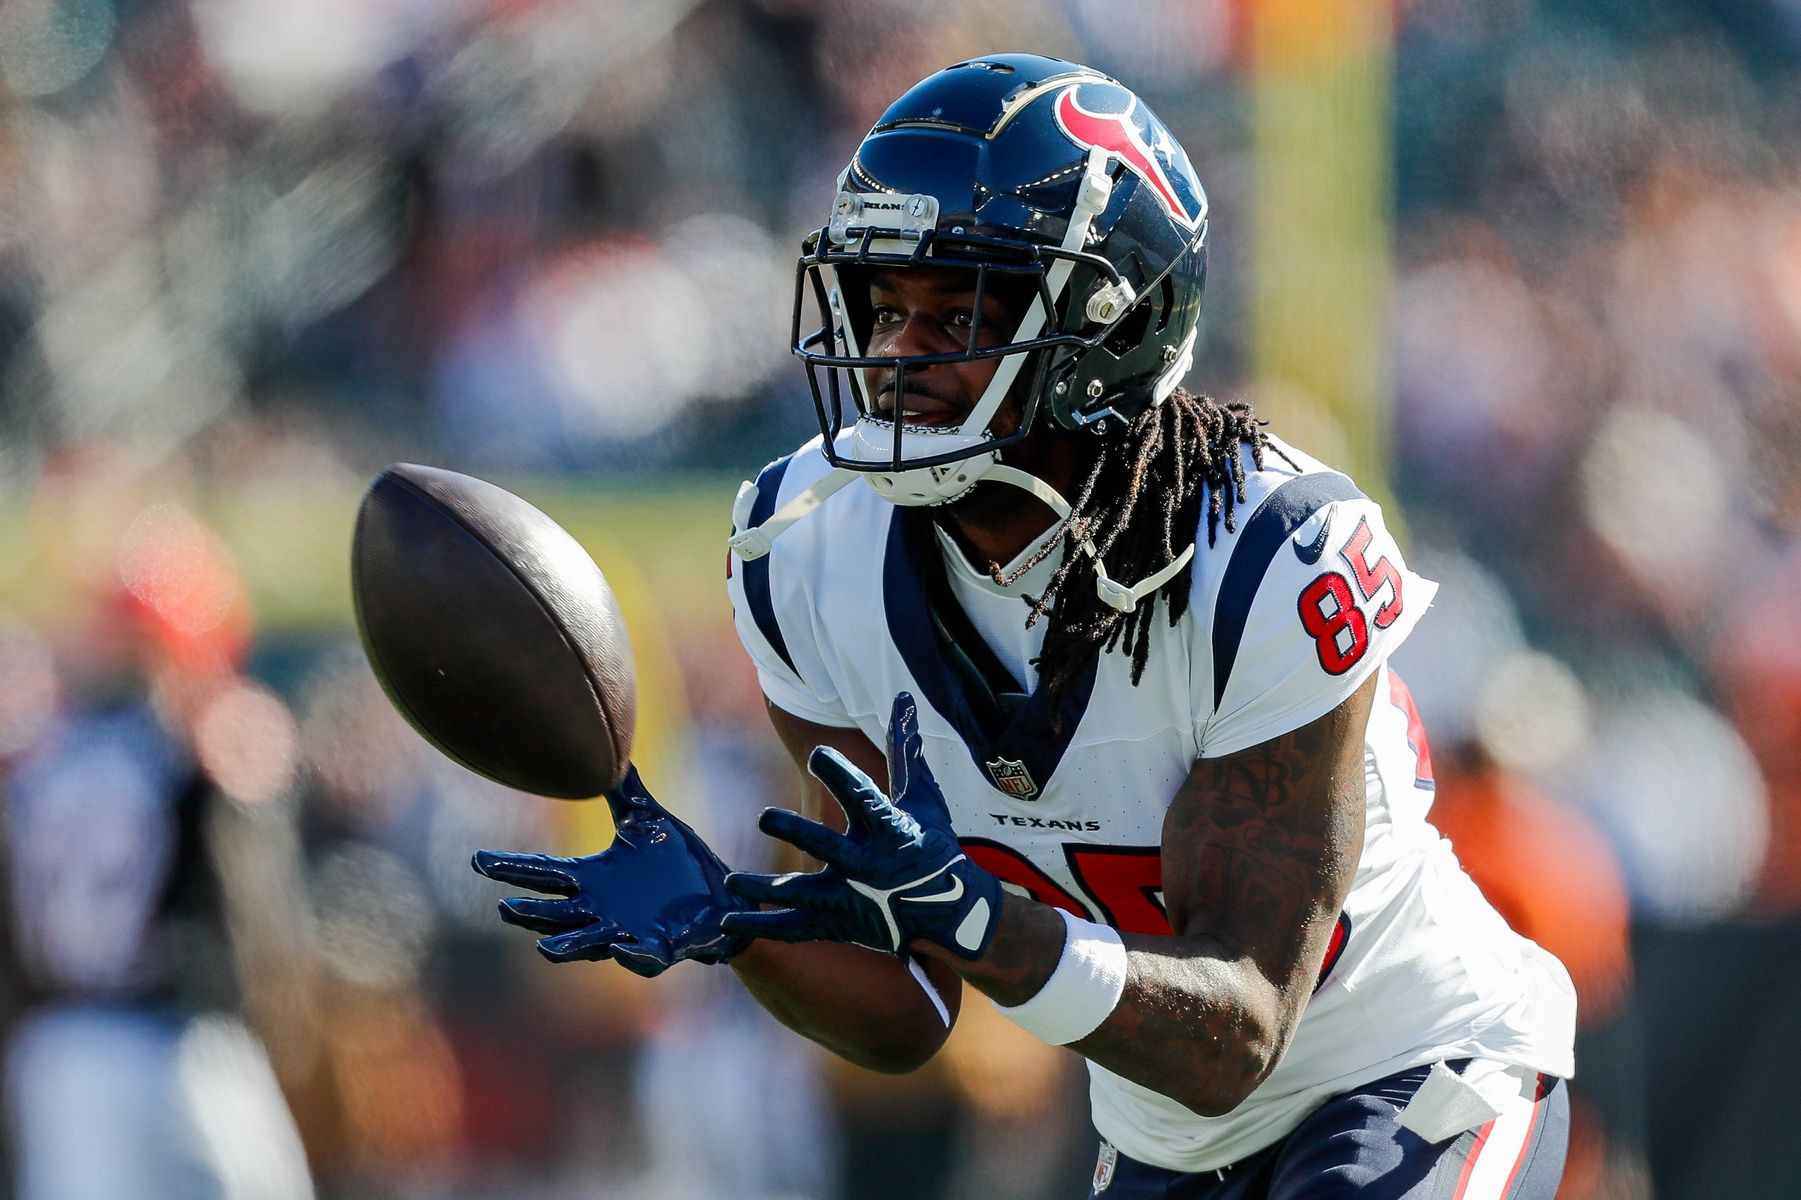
[1037, 734]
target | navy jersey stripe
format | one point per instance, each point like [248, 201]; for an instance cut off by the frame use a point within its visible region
[1282, 512]
[756, 571]
[1038, 734]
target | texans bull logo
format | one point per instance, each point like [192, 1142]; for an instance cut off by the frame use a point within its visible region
[1153, 160]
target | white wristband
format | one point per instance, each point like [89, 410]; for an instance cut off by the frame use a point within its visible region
[1084, 988]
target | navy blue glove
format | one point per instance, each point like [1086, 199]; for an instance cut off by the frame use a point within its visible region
[653, 898]
[896, 874]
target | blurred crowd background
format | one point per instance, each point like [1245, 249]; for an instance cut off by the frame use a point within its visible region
[251, 251]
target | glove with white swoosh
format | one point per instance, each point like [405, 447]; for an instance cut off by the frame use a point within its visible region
[895, 875]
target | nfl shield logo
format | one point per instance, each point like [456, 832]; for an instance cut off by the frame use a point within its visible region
[1103, 1167]
[1012, 778]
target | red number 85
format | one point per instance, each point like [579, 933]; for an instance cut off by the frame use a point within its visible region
[1329, 612]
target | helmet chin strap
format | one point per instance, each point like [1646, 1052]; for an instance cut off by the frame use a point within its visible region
[872, 439]
[753, 542]
[1117, 595]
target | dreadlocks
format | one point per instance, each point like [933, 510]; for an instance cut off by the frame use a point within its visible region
[1140, 504]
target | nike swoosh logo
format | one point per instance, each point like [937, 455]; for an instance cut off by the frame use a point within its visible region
[947, 896]
[1310, 552]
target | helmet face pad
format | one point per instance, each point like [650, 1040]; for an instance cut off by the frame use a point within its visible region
[1041, 177]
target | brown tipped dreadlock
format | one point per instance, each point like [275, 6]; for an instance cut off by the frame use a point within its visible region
[1141, 503]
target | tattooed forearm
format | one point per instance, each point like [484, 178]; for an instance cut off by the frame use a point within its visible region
[1259, 845]
[1259, 849]
[1186, 1027]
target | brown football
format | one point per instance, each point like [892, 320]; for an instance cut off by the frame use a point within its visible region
[493, 632]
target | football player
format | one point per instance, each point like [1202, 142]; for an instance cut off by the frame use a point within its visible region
[1119, 656]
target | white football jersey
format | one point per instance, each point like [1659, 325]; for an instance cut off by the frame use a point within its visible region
[1289, 614]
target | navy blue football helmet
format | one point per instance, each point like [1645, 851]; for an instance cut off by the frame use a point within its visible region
[1046, 179]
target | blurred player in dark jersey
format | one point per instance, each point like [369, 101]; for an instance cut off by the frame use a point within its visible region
[128, 1069]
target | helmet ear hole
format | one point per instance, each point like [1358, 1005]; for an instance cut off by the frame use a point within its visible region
[1133, 329]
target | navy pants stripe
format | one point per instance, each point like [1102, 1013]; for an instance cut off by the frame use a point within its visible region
[1352, 1145]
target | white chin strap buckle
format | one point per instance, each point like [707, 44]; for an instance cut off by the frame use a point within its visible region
[751, 543]
[1116, 595]
[1125, 599]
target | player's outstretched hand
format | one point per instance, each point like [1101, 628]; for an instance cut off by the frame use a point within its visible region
[897, 874]
[654, 897]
